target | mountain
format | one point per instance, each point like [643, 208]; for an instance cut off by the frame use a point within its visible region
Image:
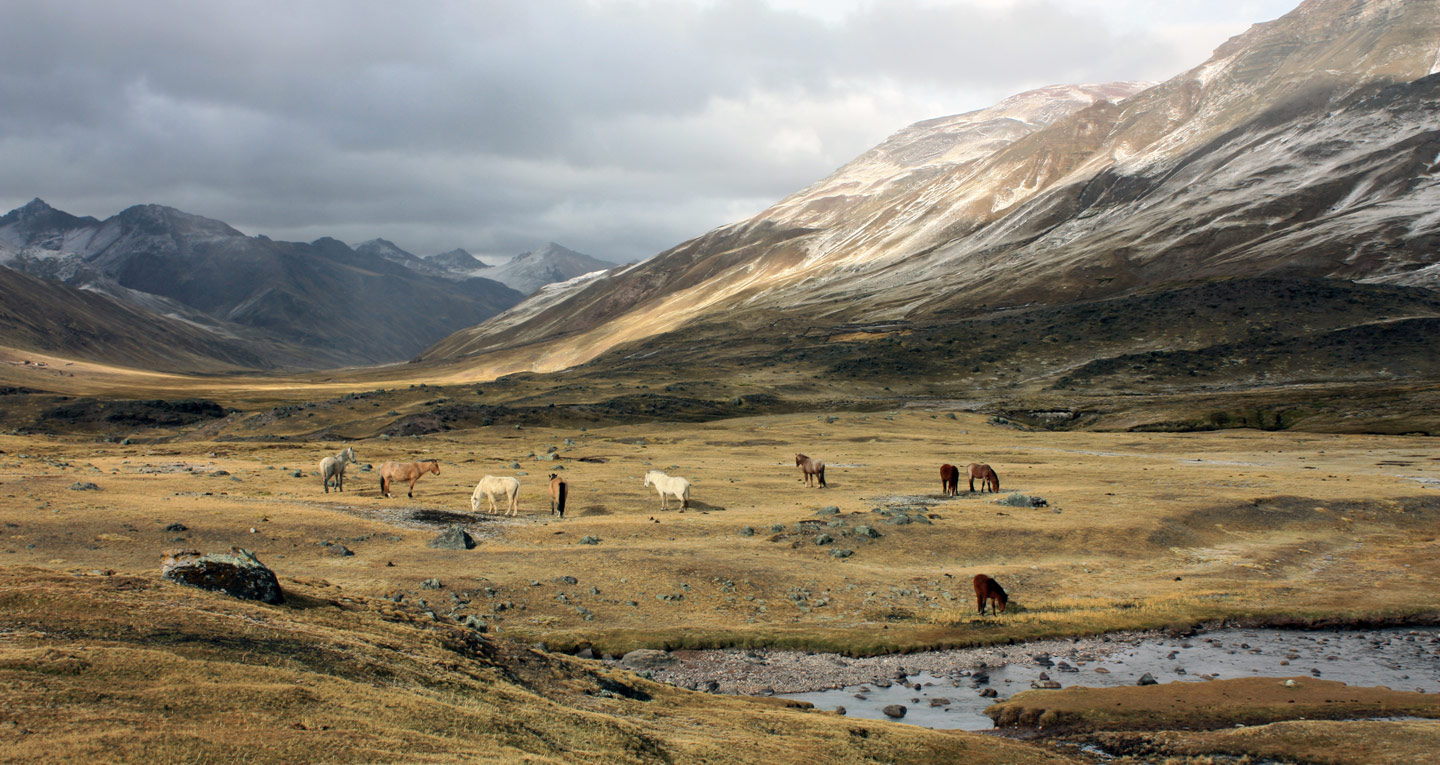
[50, 317]
[1305, 147]
[529, 271]
[342, 306]
[458, 260]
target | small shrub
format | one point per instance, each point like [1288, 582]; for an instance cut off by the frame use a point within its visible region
[746, 531]
[1015, 500]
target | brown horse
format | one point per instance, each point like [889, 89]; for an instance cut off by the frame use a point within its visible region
[986, 475]
[559, 490]
[405, 471]
[989, 590]
[949, 480]
[812, 468]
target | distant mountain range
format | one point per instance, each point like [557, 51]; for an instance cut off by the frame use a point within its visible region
[242, 301]
[1307, 147]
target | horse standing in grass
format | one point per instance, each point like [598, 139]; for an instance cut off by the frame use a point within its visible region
[988, 590]
[333, 468]
[812, 468]
[674, 486]
[559, 490]
[405, 471]
[986, 475]
[949, 480]
[491, 485]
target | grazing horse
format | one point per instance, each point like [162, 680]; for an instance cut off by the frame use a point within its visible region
[986, 475]
[405, 471]
[812, 468]
[334, 468]
[674, 486]
[949, 480]
[559, 490]
[491, 485]
[989, 590]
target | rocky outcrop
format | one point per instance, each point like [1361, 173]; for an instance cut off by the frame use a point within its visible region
[237, 573]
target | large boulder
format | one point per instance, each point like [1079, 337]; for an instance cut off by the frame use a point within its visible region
[237, 573]
[453, 538]
[645, 658]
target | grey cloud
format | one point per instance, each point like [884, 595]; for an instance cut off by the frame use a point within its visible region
[617, 128]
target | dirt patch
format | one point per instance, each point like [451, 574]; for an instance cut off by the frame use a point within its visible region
[442, 517]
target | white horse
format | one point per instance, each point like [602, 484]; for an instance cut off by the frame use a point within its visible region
[491, 485]
[334, 467]
[674, 486]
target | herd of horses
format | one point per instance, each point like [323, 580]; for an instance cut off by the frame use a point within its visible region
[332, 473]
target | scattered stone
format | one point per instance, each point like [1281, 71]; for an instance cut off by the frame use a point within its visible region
[237, 573]
[989, 693]
[746, 531]
[1048, 685]
[476, 623]
[589, 540]
[840, 710]
[939, 702]
[895, 710]
[824, 539]
[339, 551]
[84, 486]
[567, 579]
[431, 584]
[1147, 679]
[839, 553]
[866, 531]
[177, 527]
[453, 538]
[830, 510]
[587, 652]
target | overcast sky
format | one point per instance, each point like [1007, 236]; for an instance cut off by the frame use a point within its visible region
[618, 128]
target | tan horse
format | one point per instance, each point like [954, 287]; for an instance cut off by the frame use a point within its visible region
[405, 471]
[812, 468]
[949, 480]
[559, 490]
[492, 485]
[986, 475]
[988, 590]
[332, 469]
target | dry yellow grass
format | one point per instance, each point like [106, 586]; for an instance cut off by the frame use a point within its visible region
[1152, 529]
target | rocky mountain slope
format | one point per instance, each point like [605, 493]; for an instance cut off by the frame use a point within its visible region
[343, 306]
[1307, 146]
[529, 271]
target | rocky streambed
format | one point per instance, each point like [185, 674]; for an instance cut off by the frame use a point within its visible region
[951, 689]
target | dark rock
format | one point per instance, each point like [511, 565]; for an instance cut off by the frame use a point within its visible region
[176, 527]
[824, 539]
[746, 531]
[830, 510]
[1048, 685]
[339, 551]
[645, 658]
[938, 702]
[895, 710]
[866, 531]
[83, 486]
[476, 623]
[566, 580]
[1147, 679]
[585, 653]
[840, 710]
[453, 538]
[989, 693]
[838, 553]
[237, 573]
[431, 584]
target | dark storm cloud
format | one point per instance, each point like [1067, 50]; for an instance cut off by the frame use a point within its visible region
[618, 128]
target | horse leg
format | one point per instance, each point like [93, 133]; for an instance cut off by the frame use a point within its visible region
[972, 484]
[384, 487]
[411, 493]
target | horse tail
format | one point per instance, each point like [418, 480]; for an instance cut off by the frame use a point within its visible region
[822, 477]
[560, 501]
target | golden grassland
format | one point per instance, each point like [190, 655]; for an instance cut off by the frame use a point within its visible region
[1325, 742]
[1141, 531]
[122, 668]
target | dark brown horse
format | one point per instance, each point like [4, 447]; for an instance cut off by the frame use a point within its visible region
[812, 468]
[559, 490]
[986, 475]
[989, 590]
[405, 471]
[949, 480]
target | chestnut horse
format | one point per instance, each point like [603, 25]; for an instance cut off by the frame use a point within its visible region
[559, 490]
[812, 468]
[949, 480]
[989, 590]
[986, 475]
[405, 471]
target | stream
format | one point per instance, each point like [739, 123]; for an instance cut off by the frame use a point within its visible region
[949, 697]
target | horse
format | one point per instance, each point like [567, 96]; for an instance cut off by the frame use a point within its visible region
[986, 475]
[491, 485]
[559, 490]
[675, 486]
[812, 468]
[989, 590]
[405, 471]
[334, 468]
[949, 480]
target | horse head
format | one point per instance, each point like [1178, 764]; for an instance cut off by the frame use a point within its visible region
[434, 466]
[348, 454]
[800, 459]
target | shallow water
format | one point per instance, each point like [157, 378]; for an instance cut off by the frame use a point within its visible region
[1402, 659]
